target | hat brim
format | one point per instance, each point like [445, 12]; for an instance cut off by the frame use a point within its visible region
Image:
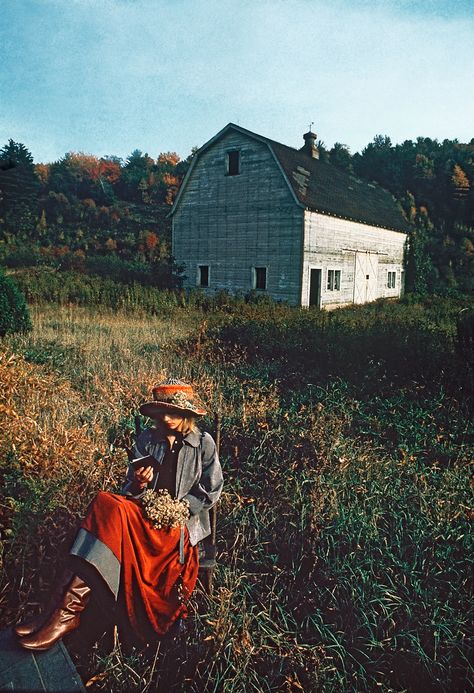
[153, 408]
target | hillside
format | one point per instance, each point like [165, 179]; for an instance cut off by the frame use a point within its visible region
[95, 215]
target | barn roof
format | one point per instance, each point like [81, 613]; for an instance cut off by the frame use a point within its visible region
[321, 187]
[324, 188]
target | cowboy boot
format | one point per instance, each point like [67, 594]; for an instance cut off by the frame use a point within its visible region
[33, 624]
[64, 619]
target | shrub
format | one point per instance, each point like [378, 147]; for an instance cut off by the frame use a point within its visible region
[46, 284]
[22, 256]
[14, 316]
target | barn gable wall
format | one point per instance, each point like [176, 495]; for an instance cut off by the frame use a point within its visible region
[330, 244]
[235, 223]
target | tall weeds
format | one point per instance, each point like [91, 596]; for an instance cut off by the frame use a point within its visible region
[344, 527]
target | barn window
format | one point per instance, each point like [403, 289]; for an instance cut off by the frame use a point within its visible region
[233, 163]
[203, 275]
[391, 279]
[260, 278]
[334, 280]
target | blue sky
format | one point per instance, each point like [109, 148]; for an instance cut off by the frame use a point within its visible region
[110, 76]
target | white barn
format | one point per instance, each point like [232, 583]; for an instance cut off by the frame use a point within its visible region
[254, 214]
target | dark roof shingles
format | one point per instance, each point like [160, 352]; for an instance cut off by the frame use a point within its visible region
[324, 188]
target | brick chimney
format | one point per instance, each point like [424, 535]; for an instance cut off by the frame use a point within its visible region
[310, 145]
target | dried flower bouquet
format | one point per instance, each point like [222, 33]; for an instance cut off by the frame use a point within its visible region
[162, 511]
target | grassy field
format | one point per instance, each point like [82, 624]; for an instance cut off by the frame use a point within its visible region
[344, 529]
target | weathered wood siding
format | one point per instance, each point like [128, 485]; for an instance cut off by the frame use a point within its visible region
[358, 251]
[236, 223]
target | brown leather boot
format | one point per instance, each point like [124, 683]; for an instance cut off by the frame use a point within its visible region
[64, 619]
[33, 624]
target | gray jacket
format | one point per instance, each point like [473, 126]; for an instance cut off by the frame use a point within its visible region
[198, 475]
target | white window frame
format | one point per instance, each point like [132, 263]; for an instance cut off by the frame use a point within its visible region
[391, 279]
[198, 276]
[333, 279]
[254, 277]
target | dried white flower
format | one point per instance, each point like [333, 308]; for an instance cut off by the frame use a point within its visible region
[162, 511]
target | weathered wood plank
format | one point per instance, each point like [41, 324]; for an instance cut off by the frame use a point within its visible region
[29, 672]
[236, 223]
[348, 246]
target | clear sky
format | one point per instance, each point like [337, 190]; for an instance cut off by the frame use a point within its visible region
[111, 76]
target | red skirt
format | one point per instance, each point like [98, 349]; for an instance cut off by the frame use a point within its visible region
[154, 585]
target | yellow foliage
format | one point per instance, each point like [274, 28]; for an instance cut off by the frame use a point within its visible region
[459, 178]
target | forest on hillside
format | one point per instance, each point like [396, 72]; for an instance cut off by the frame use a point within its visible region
[108, 216]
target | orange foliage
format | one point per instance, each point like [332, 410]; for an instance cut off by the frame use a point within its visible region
[89, 166]
[170, 158]
[60, 251]
[169, 179]
[151, 240]
[110, 170]
[42, 171]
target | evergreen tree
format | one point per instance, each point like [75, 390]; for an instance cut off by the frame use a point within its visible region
[340, 157]
[15, 154]
[421, 276]
[19, 188]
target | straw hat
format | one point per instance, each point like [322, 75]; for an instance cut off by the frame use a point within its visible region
[173, 395]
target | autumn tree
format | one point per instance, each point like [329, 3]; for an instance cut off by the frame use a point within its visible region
[80, 175]
[151, 242]
[460, 183]
[42, 172]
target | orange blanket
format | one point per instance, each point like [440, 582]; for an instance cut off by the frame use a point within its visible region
[153, 584]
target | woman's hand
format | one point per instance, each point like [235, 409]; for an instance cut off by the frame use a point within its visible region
[144, 475]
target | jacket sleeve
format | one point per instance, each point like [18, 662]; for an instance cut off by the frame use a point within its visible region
[205, 493]
[130, 486]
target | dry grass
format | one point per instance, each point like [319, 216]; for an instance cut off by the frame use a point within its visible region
[343, 543]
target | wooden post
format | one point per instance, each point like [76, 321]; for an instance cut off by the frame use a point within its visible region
[208, 561]
[217, 430]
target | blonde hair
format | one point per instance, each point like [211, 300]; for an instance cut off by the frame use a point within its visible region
[187, 425]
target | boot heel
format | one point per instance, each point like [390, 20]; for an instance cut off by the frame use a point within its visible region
[64, 619]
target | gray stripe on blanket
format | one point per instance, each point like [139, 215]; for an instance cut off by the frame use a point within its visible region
[94, 551]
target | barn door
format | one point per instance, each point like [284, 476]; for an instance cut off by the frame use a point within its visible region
[365, 280]
[315, 287]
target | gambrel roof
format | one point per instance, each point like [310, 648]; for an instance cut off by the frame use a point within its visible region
[321, 187]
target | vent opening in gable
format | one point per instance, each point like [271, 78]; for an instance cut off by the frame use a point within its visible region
[233, 163]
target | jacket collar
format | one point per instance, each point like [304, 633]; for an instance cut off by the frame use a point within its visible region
[193, 438]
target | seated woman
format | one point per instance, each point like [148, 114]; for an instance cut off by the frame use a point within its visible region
[145, 573]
